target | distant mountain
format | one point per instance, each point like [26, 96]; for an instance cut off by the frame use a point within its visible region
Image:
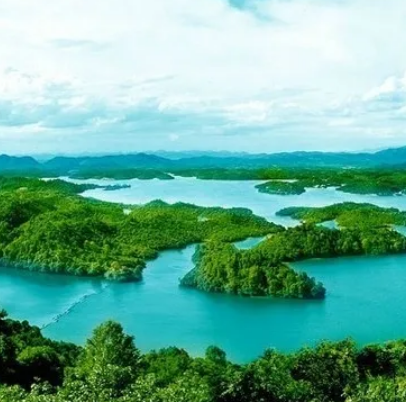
[298, 159]
[392, 156]
[197, 154]
[141, 161]
[208, 160]
[12, 163]
[63, 165]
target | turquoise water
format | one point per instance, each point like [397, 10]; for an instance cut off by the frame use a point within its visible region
[229, 194]
[249, 243]
[365, 300]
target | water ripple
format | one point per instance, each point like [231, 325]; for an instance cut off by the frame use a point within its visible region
[73, 305]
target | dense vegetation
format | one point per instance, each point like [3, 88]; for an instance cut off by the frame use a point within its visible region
[262, 270]
[45, 226]
[281, 188]
[221, 267]
[122, 174]
[9, 184]
[348, 215]
[308, 169]
[111, 368]
[382, 182]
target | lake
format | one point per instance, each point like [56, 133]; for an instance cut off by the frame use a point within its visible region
[365, 296]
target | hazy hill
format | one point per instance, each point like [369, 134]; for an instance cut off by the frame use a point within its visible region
[17, 163]
[64, 165]
[141, 160]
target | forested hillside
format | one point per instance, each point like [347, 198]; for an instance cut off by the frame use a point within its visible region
[110, 368]
[262, 270]
[46, 226]
[348, 215]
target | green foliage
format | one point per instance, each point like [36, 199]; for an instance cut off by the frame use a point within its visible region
[381, 389]
[29, 184]
[329, 368]
[166, 365]
[45, 226]
[121, 174]
[381, 181]
[310, 241]
[221, 267]
[26, 356]
[40, 362]
[281, 188]
[110, 368]
[262, 270]
[348, 215]
[110, 360]
[268, 379]
[230, 174]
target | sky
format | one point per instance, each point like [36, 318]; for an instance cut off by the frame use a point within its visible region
[109, 76]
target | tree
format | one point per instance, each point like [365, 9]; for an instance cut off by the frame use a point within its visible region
[39, 363]
[330, 368]
[110, 360]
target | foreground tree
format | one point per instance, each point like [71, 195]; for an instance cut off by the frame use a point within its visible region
[110, 360]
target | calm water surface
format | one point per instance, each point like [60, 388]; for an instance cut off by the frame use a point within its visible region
[229, 194]
[366, 296]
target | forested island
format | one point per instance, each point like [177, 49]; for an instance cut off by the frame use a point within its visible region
[279, 187]
[121, 174]
[348, 215]
[47, 227]
[221, 267]
[116, 187]
[110, 367]
[262, 270]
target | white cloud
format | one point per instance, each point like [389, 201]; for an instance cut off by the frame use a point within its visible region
[262, 75]
[393, 88]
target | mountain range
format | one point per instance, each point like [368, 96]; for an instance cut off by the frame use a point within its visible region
[65, 165]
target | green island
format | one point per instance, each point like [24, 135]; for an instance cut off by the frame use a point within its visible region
[221, 267]
[116, 187]
[348, 215]
[281, 188]
[262, 270]
[110, 367]
[121, 174]
[383, 181]
[45, 226]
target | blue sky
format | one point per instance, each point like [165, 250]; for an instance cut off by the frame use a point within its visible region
[237, 75]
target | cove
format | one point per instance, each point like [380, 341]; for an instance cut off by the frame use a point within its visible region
[365, 296]
[365, 301]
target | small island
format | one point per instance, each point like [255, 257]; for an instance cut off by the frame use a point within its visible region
[116, 187]
[348, 215]
[280, 187]
[121, 174]
[222, 268]
[263, 270]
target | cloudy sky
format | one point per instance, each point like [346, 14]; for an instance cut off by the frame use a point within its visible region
[241, 75]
